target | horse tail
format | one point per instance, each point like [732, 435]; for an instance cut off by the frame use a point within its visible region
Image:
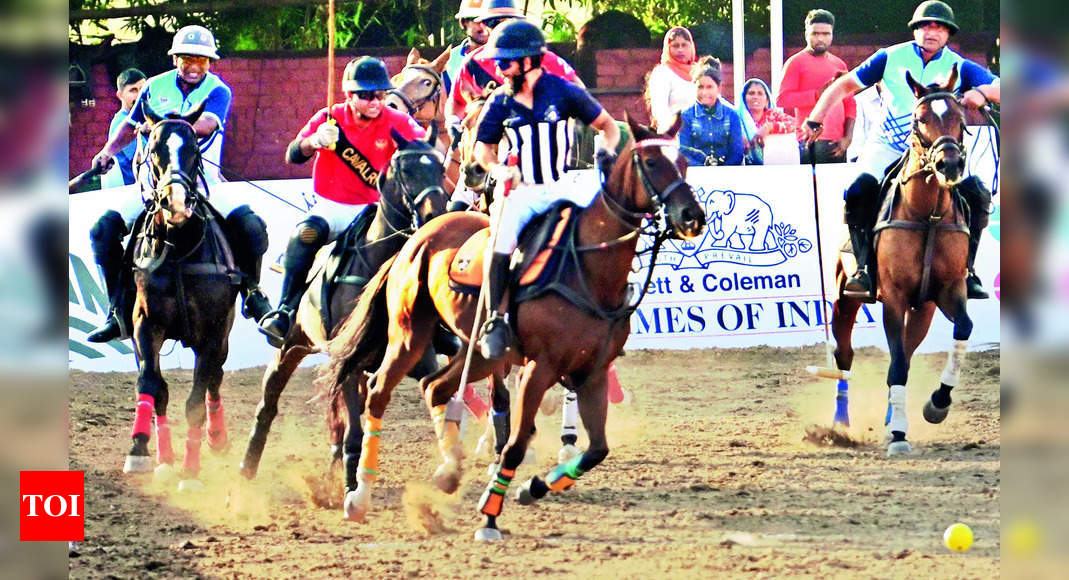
[361, 340]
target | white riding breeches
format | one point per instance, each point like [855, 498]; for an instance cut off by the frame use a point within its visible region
[526, 201]
[876, 157]
[337, 215]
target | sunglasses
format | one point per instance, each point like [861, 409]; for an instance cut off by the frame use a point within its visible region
[492, 22]
[191, 59]
[466, 21]
[370, 95]
[504, 63]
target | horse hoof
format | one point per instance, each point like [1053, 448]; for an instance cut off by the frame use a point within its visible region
[219, 442]
[567, 453]
[190, 486]
[165, 472]
[137, 464]
[933, 414]
[492, 469]
[897, 448]
[485, 446]
[447, 477]
[488, 535]
[356, 506]
[524, 495]
[530, 457]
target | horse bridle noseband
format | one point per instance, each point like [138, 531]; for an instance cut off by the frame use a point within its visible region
[177, 175]
[658, 197]
[414, 106]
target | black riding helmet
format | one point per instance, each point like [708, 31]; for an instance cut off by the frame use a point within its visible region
[365, 74]
[515, 39]
[934, 11]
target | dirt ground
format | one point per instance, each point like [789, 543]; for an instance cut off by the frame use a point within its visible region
[708, 476]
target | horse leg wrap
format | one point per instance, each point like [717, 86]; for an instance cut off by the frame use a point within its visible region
[369, 449]
[952, 372]
[897, 401]
[192, 460]
[494, 497]
[216, 424]
[164, 451]
[447, 430]
[615, 391]
[475, 404]
[842, 408]
[143, 415]
[501, 430]
[569, 434]
[564, 475]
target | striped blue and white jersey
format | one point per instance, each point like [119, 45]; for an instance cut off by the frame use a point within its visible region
[540, 136]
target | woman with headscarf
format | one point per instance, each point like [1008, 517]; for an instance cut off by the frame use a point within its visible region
[669, 88]
[761, 118]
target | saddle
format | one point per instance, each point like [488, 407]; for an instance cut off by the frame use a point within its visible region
[343, 259]
[539, 254]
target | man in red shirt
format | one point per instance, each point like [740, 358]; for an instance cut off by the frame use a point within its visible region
[352, 145]
[805, 76]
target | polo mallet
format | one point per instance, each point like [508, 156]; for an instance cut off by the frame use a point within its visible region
[831, 371]
[330, 65]
[81, 178]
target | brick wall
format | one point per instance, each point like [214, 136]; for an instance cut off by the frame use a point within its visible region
[274, 96]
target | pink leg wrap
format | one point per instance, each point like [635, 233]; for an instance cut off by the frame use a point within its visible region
[616, 393]
[192, 461]
[216, 425]
[143, 415]
[164, 452]
[474, 402]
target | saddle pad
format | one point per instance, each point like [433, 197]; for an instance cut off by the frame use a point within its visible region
[467, 265]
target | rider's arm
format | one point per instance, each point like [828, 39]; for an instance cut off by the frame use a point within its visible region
[843, 86]
[216, 109]
[610, 133]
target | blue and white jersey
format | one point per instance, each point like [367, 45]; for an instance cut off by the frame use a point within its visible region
[165, 96]
[540, 136]
[890, 65]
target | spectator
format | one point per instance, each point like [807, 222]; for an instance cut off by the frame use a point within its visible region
[805, 76]
[670, 87]
[711, 131]
[128, 87]
[760, 119]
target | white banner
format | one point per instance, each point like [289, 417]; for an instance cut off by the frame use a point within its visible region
[752, 279]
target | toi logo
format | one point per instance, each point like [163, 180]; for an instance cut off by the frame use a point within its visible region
[51, 506]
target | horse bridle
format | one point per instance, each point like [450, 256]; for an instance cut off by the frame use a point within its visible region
[658, 197]
[154, 203]
[414, 106]
[411, 202]
[943, 143]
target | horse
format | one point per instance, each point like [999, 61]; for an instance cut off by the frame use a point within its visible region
[574, 330]
[419, 91]
[921, 249]
[186, 284]
[411, 194]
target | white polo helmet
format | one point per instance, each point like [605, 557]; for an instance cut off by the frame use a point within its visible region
[469, 9]
[194, 40]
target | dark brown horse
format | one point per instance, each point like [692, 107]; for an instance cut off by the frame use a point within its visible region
[921, 249]
[186, 285]
[573, 331]
[411, 194]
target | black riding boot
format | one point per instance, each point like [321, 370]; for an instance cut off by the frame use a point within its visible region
[859, 285]
[979, 199]
[496, 336]
[248, 240]
[310, 235]
[974, 289]
[106, 238]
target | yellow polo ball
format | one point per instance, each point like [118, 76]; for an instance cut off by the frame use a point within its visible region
[958, 537]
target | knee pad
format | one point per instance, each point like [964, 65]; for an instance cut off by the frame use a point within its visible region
[861, 200]
[249, 229]
[309, 235]
[107, 234]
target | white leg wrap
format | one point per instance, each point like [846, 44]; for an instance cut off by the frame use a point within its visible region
[897, 399]
[570, 412]
[952, 372]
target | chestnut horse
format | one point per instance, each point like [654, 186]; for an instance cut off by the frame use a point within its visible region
[921, 249]
[420, 92]
[186, 285]
[574, 330]
[411, 194]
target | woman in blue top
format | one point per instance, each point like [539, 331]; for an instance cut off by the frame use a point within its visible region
[712, 132]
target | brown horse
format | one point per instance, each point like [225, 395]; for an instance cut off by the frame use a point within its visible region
[411, 194]
[420, 92]
[574, 330]
[186, 285]
[921, 249]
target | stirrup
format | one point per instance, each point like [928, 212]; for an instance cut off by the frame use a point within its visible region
[256, 304]
[275, 325]
[859, 287]
[495, 340]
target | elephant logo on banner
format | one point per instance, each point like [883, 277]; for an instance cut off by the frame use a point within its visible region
[741, 230]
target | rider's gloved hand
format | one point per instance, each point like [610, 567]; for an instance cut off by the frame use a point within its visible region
[102, 162]
[325, 136]
[605, 160]
[502, 174]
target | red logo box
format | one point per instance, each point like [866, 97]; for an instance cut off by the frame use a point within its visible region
[51, 506]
